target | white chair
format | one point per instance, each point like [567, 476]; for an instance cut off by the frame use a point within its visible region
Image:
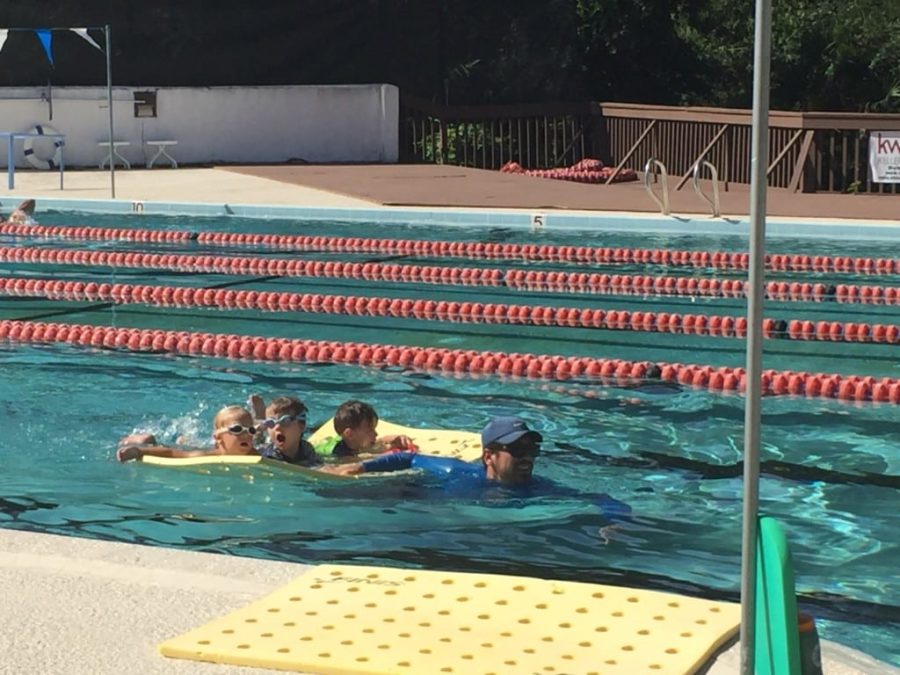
[112, 156]
[161, 152]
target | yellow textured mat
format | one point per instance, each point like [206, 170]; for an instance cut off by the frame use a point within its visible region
[249, 467]
[343, 620]
[464, 445]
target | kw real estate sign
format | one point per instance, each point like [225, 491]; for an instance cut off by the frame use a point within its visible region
[884, 156]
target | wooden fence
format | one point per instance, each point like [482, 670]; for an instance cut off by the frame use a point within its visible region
[819, 151]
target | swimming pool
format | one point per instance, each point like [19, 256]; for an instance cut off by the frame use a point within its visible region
[669, 449]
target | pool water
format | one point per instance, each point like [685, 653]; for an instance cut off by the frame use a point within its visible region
[831, 470]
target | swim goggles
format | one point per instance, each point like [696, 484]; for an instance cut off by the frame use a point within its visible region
[239, 429]
[272, 422]
[523, 448]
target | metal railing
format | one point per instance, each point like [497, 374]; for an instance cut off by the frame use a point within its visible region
[714, 177]
[821, 151]
[649, 175]
[486, 137]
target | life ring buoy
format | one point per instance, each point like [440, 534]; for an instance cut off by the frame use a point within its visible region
[38, 162]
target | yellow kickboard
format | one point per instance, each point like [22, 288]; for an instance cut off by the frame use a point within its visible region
[346, 620]
[249, 467]
[464, 445]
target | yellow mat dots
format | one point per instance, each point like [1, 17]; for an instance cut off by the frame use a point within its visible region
[464, 445]
[345, 620]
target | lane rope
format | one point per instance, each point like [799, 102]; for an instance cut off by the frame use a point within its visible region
[550, 367]
[519, 279]
[452, 311]
[720, 260]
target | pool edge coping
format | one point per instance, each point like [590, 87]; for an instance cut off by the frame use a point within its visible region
[534, 219]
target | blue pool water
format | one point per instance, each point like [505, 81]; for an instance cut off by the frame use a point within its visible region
[831, 470]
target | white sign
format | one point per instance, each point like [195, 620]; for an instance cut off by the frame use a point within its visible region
[884, 156]
[538, 220]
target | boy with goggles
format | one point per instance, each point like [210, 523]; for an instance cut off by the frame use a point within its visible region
[285, 421]
[233, 433]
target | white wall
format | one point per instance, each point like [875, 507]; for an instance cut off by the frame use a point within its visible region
[346, 123]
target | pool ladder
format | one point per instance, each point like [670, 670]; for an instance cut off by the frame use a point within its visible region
[653, 166]
[714, 175]
[649, 173]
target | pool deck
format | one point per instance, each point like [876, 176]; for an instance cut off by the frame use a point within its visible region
[421, 185]
[85, 606]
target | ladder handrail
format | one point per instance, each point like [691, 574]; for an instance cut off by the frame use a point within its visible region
[663, 202]
[714, 174]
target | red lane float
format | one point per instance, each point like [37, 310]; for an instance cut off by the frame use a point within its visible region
[541, 366]
[97, 233]
[520, 279]
[587, 170]
[721, 260]
[465, 312]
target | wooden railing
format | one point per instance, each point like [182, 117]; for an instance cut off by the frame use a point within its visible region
[818, 151]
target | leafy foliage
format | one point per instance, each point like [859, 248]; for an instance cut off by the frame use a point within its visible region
[826, 54]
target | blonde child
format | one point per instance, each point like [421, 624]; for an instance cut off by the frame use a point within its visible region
[233, 433]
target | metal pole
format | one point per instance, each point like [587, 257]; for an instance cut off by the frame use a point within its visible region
[109, 101]
[758, 163]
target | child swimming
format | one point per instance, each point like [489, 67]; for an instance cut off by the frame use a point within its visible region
[285, 422]
[355, 422]
[233, 433]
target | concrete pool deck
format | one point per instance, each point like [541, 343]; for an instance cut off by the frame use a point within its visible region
[176, 185]
[371, 186]
[85, 606]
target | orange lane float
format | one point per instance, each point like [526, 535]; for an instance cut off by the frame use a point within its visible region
[519, 279]
[430, 310]
[721, 260]
[455, 361]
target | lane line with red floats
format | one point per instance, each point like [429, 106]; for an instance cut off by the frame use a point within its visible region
[550, 367]
[451, 311]
[519, 279]
[721, 260]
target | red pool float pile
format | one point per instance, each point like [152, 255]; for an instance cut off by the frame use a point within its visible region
[587, 170]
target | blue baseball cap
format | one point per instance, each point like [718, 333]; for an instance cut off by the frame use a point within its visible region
[506, 430]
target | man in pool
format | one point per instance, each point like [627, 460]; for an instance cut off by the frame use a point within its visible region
[233, 433]
[509, 449]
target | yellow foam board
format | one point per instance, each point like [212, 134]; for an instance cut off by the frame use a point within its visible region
[464, 445]
[348, 620]
[249, 467]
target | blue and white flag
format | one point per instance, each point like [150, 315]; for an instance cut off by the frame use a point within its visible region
[45, 35]
[83, 34]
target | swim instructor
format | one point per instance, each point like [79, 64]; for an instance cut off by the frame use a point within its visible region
[509, 450]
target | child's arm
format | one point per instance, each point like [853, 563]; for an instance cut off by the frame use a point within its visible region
[396, 442]
[139, 439]
[257, 407]
[128, 452]
[351, 469]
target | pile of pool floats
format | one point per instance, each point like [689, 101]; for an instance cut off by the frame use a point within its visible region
[588, 170]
